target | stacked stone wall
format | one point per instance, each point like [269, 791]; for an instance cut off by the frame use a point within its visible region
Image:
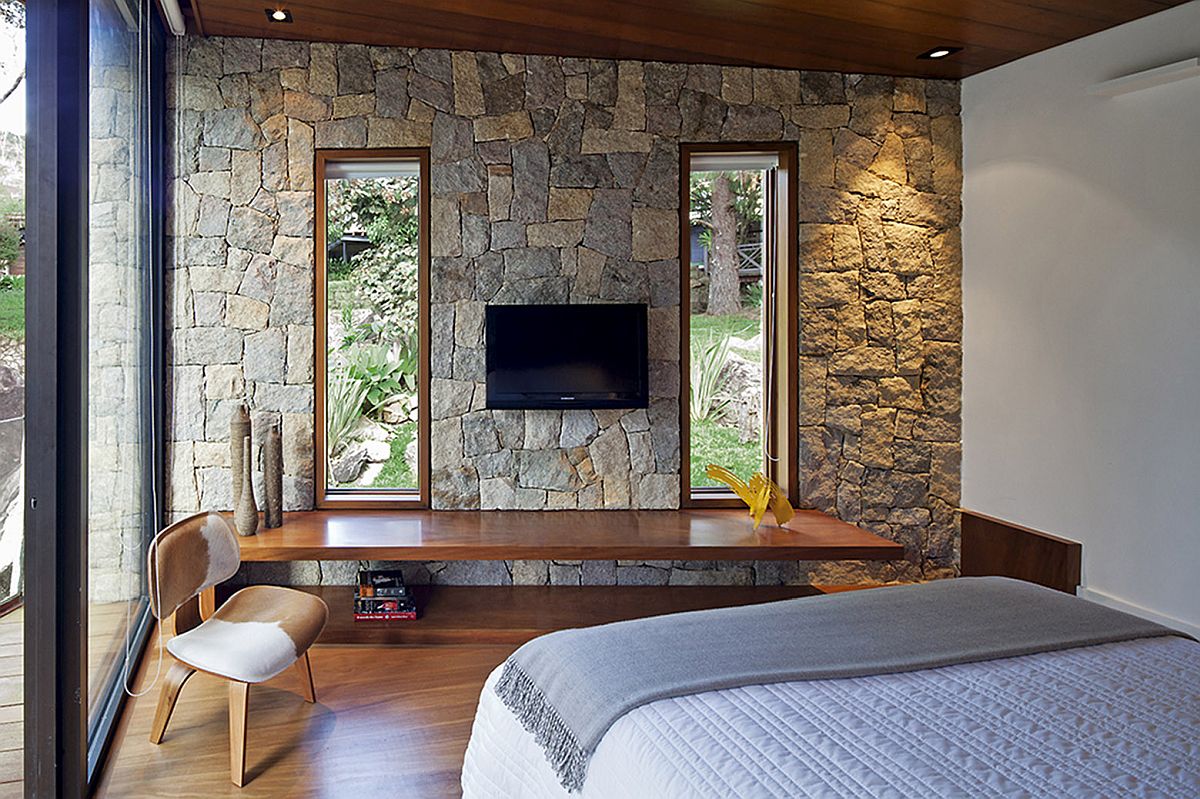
[120, 493]
[557, 180]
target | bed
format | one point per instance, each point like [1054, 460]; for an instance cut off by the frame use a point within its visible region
[1118, 718]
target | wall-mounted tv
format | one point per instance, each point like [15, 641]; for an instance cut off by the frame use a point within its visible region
[567, 356]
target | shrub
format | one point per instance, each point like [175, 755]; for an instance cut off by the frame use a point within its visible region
[337, 269]
[12, 307]
[385, 209]
[752, 295]
[387, 279]
[10, 244]
[384, 372]
[344, 402]
[708, 380]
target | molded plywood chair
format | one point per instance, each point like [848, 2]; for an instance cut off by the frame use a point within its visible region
[256, 634]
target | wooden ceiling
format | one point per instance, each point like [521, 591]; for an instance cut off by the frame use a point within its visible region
[875, 36]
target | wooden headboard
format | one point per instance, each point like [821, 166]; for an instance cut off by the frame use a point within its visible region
[994, 547]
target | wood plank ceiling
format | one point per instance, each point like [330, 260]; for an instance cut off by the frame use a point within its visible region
[873, 36]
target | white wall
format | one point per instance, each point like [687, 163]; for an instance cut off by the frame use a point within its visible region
[1082, 309]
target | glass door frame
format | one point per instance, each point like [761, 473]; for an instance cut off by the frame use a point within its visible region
[62, 754]
[151, 154]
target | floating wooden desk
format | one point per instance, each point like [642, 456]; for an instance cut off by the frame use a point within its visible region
[561, 535]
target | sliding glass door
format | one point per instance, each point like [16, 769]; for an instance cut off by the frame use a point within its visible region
[94, 431]
[121, 489]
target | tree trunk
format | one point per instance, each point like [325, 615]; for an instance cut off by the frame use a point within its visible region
[724, 295]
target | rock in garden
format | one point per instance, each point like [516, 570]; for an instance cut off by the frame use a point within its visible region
[347, 466]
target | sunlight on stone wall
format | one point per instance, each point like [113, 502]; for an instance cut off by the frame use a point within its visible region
[556, 180]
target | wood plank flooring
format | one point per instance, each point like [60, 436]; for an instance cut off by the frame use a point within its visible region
[389, 721]
[513, 614]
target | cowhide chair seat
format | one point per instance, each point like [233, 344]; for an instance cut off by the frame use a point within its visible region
[255, 635]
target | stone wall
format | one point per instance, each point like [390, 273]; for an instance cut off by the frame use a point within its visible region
[557, 180]
[120, 497]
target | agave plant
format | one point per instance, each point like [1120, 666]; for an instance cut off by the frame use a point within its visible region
[708, 379]
[343, 402]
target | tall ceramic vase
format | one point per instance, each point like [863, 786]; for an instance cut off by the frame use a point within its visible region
[245, 515]
[239, 434]
[272, 478]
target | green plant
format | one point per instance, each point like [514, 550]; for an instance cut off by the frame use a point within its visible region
[355, 335]
[384, 371]
[12, 307]
[386, 277]
[712, 443]
[344, 401]
[10, 244]
[337, 269]
[396, 472]
[747, 201]
[708, 379]
[752, 295]
[385, 210]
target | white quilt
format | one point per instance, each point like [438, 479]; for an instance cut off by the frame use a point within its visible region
[1118, 720]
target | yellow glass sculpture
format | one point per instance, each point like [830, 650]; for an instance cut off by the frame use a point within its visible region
[760, 493]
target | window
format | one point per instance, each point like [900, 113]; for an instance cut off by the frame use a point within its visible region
[371, 331]
[738, 317]
[123, 332]
[94, 300]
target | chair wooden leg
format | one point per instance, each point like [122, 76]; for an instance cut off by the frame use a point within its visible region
[177, 675]
[306, 680]
[239, 704]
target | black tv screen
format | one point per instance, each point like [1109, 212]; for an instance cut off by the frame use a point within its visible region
[566, 356]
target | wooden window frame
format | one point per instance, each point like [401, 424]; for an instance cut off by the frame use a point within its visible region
[359, 497]
[782, 429]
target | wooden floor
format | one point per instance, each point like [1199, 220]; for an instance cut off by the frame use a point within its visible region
[389, 721]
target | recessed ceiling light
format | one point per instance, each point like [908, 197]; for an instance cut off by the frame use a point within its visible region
[279, 15]
[940, 52]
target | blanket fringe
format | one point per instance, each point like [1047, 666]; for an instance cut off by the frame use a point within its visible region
[527, 702]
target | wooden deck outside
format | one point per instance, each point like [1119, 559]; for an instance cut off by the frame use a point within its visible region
[106, 635]
[12, 699]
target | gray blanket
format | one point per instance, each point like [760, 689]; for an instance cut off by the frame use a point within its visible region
[568, 687]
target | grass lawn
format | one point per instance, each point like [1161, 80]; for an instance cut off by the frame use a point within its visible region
[744, 326]
[340, 294]
[712, 443]
[12, 311]
[396, 473]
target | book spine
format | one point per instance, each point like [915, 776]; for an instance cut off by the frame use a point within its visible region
[397, 591]
[408, 616]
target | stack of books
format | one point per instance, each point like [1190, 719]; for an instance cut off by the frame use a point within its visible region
[383, 596]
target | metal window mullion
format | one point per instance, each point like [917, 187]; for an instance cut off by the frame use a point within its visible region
[56, 418]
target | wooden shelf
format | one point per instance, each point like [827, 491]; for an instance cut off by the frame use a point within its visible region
[486, 614]
[561, 535]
